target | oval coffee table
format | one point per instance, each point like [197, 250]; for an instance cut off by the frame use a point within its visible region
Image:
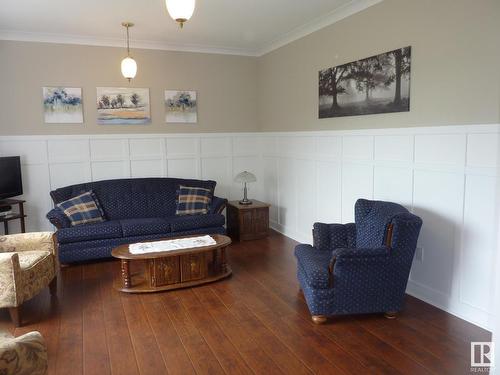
[173, 269]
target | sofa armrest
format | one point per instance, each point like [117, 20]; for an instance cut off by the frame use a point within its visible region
[36, 241]
[58, 218]
[26, 354]
[10, 279]
[334, 236]
[217, 205]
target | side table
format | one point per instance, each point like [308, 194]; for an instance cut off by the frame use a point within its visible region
[13, 216]
[247, 222]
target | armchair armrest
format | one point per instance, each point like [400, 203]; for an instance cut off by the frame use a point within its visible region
[363, 254]
[334, 236]
[10, 279]
[217, 205]
[36, 241]
[58, 218]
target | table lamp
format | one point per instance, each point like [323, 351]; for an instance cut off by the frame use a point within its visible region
[245, 177]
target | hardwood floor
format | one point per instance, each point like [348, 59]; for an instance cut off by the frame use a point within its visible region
[254, 322]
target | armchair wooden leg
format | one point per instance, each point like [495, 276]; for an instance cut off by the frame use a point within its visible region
[15, 315]
[319, 319]
[53, 287]
[391, 314]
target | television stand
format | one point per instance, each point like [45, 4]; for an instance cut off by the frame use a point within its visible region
[19, 215]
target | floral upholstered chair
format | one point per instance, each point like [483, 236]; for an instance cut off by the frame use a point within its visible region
[27, 265]
[23, 355]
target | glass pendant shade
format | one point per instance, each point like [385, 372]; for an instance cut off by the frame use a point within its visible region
[180, 10]
[129, 67]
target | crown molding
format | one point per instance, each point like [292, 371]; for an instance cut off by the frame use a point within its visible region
[23, 36]
[343, 11]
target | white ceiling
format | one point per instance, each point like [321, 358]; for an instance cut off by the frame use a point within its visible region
[243, 27]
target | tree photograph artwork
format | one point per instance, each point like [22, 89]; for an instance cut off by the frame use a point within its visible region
[376, 84]
[181, 106]
[117, 105]
[62, 105]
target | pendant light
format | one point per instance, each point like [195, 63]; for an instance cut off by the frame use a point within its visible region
[129, 66]
[180, 10]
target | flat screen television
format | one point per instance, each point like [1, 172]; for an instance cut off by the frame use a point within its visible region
[11, 184]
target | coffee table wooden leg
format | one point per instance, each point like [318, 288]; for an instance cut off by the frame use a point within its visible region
[126, 273]
[223, 262]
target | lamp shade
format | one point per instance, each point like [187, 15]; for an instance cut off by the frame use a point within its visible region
[180, 10]
[129, 67]
[245, 177]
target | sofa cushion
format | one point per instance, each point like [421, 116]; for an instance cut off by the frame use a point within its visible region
[135, 197]
[97, 231]
[188, 222]
[314, 264]
[193, 200]
[82, 209]
[140, 227]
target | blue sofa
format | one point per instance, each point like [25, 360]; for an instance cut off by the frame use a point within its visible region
[360, 267]
[136, 210]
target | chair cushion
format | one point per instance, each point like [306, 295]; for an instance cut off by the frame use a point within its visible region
[82, 209]
[96, 231]
[193, 200]
[37, 271]
[314, 264]
[140, 227]
[188, 222]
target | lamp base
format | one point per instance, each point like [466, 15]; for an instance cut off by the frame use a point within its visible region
[245, 202]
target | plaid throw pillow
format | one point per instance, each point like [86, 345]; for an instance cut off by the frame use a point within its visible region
[82, 209]
[193, 200]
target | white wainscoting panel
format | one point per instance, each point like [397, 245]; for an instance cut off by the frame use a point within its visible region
[447, 175]
[50, 162]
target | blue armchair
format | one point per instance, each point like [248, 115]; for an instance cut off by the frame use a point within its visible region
[359, 268]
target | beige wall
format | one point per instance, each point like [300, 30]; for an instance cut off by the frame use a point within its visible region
[455, 65]
[455, 75]
[226, 87]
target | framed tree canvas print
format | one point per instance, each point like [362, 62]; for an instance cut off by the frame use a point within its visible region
[62, 105]
[126, 106]
[181, 106]
[376, 84]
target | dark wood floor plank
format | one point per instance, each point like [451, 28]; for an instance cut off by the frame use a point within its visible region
[418, 347]
[276, 349]
[447, 323]
[121, 352]
[348, 330]
[226, 353]
[70, 346]
[175, 356]
[95, 348]
[202, 357]
[353, 344]
[318, 352]
[147, 352]
[49, 327]
[258, 360]
[256, 321]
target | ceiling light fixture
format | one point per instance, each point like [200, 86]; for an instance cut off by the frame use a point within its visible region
[180, 10]
[129, 66]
